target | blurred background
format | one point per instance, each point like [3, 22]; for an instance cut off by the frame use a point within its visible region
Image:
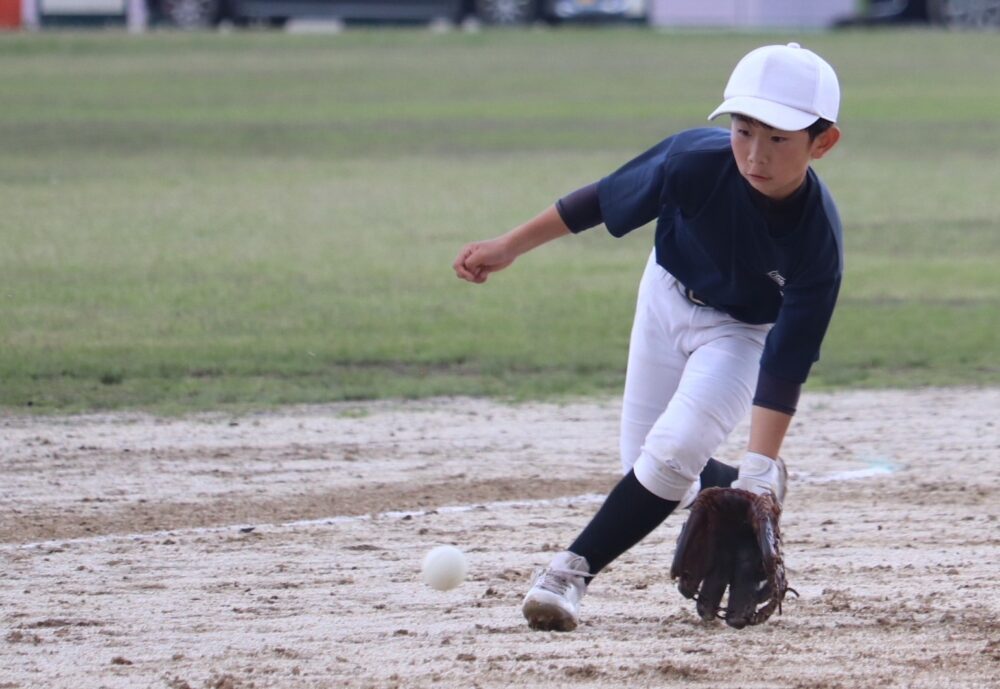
[663, 13]
[262, 206]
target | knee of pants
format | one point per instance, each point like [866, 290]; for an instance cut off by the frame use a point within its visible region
[669, 475]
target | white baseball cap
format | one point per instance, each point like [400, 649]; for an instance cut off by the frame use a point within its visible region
[784, 86]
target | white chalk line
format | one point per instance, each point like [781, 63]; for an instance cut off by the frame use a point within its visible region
[876, 469]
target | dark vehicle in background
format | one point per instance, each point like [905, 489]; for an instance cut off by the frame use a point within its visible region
[202, 13]
[959, 14]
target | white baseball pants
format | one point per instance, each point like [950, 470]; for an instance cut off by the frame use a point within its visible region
[692, 372]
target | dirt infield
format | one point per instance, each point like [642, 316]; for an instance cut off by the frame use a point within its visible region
[281, 550]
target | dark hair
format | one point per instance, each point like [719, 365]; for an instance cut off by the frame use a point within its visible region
[817, 128]
[813, 130]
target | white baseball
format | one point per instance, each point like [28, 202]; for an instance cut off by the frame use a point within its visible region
[444, 567]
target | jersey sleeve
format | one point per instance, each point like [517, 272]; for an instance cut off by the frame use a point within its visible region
[631, 196]
[678, 174]
[793, 344]
[581, 209]
[809, 296]
[776, 393]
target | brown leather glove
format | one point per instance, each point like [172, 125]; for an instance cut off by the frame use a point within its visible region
[732, 540]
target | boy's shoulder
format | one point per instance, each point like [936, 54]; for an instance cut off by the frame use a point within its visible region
[702, 139]
[704, 150]
[697, 162]
[708, 140]
[683, 152]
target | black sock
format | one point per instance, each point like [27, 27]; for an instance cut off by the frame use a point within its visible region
[718, 475]
[627, 516]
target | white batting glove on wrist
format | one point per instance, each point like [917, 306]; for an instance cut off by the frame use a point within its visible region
[760, 474]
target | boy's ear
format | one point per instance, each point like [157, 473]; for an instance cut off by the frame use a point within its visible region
[822, 144]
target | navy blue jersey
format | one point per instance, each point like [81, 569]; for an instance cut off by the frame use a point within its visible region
[713, 235]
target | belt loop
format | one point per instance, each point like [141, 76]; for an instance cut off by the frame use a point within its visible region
[693, 298]
[690, 295]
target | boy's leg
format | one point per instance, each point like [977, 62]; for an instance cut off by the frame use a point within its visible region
[655, 363]
[656, 367]
[630, 511]
[705, 401]
[714, 394]
[628, 514]
[654, 371]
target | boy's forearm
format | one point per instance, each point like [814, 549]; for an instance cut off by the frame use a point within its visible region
[767, 431]
[544, 227]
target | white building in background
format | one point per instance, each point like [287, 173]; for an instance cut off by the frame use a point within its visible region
[750, 13]
[133, 13]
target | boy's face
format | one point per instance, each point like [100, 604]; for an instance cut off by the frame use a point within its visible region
[775, 161]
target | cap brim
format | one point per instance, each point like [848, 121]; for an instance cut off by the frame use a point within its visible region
[770, 113]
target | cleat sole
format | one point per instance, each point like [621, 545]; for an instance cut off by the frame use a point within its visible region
[547, 618]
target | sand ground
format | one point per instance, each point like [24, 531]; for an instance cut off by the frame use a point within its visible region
[283, 549]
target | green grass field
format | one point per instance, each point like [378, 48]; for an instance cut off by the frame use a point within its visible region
[251, 219]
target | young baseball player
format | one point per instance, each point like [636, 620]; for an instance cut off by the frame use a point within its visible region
[733, 305]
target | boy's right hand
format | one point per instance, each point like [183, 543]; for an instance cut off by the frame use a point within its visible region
[477, 260]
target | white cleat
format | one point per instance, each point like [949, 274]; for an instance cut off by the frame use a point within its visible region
[553, 602]
[760, 474]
